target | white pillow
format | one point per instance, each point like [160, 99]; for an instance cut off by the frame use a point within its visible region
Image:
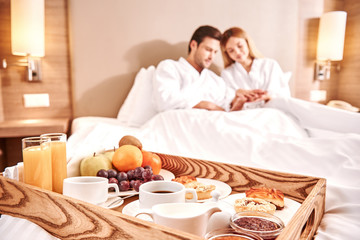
[138, 106]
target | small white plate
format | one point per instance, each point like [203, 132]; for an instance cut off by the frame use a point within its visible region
[223, 188]
[165, 173]
[133, 208]
[290, 207]
[110, 201]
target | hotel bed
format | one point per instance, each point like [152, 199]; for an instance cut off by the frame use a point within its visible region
[287, 135]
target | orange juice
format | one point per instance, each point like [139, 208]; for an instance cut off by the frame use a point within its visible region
[37, 166]
[58, 158]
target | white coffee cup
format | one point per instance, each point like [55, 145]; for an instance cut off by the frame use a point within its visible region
[94, 190]
[188, 217]
[156, 192]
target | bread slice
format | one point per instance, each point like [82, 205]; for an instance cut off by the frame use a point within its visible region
[184, 179]
[271, 195]
[203, 191]
[253, 204]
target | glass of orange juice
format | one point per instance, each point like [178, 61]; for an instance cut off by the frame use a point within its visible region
[37, 162]
[58, 159]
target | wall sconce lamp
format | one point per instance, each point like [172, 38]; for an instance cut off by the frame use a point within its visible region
[330, 45]
[28, 35]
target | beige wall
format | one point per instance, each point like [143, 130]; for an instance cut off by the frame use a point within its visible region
[111, 40]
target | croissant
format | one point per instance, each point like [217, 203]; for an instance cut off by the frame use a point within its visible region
[271, 195]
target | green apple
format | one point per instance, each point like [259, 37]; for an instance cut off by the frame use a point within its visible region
[89, 166]
[109, 154]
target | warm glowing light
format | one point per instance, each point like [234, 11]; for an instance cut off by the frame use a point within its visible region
[331, 36]
[28, 27]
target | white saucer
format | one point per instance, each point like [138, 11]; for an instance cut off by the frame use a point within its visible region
[133, 208]
[111, 200]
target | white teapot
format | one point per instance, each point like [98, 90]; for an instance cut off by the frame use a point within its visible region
[188, 217]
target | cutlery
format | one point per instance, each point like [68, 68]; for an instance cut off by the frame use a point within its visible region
[121, 199]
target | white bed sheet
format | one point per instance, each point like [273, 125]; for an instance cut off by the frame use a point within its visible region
[289, 135]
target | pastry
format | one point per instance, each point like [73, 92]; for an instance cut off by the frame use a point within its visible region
[253, 204]
[184, 179]
[271, 195]
[203, 191]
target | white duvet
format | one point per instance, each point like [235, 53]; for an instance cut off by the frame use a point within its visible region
[288, 135]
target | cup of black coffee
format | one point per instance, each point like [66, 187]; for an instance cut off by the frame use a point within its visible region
[155, 192]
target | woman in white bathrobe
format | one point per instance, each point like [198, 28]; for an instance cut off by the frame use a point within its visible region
[247, 69]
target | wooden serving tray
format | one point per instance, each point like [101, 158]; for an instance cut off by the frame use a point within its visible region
[68, 218]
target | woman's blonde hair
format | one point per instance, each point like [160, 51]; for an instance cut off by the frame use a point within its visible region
[240, 33]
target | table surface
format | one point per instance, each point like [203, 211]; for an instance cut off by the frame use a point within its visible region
[30, 127]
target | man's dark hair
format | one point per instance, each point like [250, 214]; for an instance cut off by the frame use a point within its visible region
[205, 31]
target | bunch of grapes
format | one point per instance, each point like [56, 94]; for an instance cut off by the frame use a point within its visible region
[131, 179]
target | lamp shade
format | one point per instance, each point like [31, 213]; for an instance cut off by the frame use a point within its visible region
[28, 27]
[331, 37]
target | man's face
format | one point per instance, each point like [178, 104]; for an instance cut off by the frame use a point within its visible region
[204, 53]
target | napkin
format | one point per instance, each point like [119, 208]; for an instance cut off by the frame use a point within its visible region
[15, 172]
[13, 228]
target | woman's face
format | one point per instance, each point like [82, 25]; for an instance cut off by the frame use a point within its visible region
[237, 49]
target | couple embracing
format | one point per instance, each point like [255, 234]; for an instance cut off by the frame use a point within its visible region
[247, 77]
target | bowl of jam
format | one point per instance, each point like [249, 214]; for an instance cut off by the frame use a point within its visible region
[265, 225]
[230, 234]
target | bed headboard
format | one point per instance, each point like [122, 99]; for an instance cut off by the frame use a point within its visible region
[111, 40]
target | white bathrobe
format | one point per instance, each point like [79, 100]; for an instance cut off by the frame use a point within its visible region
[265, 74]
[178, 85]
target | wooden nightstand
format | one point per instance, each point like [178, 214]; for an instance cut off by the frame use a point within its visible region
[12, 131]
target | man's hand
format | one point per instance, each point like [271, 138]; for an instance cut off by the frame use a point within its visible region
[208, 106]
[238, 102]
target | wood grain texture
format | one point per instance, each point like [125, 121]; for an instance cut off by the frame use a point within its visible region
[68, 218]
[241, 178]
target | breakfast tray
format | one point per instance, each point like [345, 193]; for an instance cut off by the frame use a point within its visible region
[68, 218]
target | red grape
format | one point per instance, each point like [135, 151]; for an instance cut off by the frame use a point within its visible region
[102, 173]
[138, 172]
[131, 174]
[157, 177]
[148, 167]
[136, 185]
[147, 174]
[124, 185]
[113, 180]
[122, 176]
[112, 173]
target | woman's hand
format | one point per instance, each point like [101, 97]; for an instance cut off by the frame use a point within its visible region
[251, 95]
[208, 106]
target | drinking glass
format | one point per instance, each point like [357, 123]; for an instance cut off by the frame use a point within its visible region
[37, 162]
[58, 159]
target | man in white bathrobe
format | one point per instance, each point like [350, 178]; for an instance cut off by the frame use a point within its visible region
[188, 83]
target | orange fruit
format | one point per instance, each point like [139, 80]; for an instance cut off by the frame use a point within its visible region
[127, 157]
[153, 160]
